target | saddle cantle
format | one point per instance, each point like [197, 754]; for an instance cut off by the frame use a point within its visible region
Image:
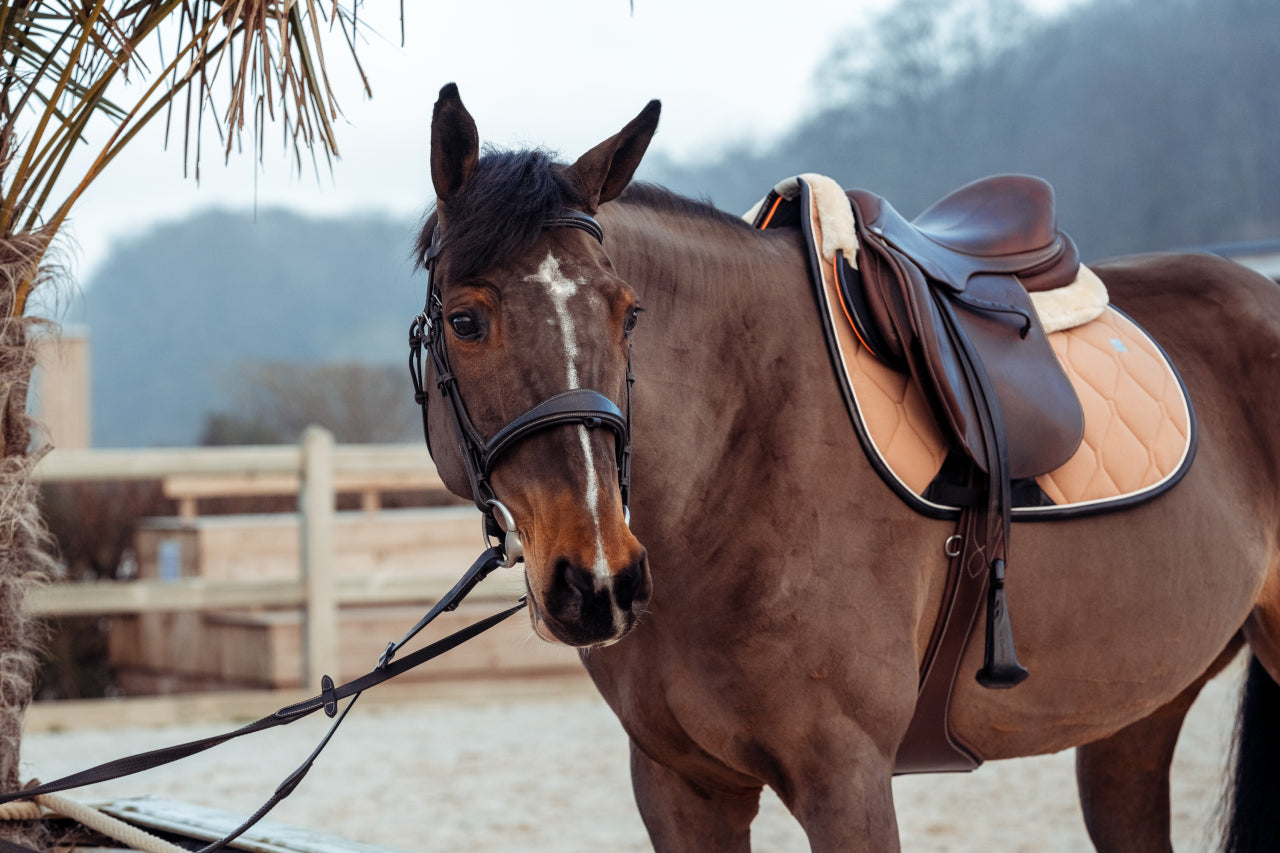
[985, 264]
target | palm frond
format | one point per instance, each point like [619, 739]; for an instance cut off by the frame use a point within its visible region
[60, 60]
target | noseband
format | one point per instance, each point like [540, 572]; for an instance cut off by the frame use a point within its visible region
[576, 407]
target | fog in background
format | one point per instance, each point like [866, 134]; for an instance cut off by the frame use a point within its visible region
[1158, 122]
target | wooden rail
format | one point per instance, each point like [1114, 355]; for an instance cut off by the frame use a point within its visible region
[231, 462]
[107, 598]
[318, 467]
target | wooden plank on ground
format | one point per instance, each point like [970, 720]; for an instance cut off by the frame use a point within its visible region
[205, 824]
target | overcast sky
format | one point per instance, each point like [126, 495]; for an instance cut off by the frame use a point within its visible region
[564, 74]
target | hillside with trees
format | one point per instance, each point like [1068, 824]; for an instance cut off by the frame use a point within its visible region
[1157, 121]
[187, 320]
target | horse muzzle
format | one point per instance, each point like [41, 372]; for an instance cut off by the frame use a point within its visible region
[584, 605]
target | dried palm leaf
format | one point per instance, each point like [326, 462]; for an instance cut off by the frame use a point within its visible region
[60, 58]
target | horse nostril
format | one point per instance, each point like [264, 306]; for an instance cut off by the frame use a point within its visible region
[624, 588]
[577, 579]
[629, 584]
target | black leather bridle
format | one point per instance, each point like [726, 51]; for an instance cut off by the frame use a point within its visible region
[578, 406]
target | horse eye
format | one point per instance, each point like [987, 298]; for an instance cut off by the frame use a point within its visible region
[630, 325]
[465, 326]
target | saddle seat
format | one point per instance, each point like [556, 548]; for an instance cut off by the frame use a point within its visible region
[1001, 225]
[993, 218]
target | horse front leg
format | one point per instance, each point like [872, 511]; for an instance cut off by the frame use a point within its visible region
[844, 801]
[684, 816]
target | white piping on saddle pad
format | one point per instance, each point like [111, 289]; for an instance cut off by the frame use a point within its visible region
[1064, 308]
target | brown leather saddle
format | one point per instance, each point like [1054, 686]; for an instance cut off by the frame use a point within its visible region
[946, 298]
[949, 296]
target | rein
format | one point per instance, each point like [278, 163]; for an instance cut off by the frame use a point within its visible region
[578, 406]
[327, 701]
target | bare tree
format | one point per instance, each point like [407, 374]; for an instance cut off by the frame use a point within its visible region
[917, 49]
[275, 401]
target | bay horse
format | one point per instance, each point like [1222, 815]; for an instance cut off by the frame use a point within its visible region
[750, 598]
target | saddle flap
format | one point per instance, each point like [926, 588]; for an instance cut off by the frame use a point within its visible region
[1043, 422]
[1041, 413]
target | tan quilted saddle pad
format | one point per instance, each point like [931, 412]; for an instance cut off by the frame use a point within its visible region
[1139, 433]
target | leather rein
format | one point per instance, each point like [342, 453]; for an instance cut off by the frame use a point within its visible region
[327, 700]
[578, 406]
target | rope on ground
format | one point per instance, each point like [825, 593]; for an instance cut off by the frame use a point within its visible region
[20, 810]
[126, 834]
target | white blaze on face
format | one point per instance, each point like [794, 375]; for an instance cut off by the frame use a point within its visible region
[561, 288]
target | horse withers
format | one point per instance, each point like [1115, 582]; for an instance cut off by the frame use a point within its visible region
[751, 599]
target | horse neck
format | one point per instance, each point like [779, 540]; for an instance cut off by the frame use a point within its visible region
[712, 291]
[728, 341]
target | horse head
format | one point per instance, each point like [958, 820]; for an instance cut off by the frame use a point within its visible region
[530, 332]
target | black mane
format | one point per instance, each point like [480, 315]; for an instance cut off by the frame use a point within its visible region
[511, 193]
[501, 209]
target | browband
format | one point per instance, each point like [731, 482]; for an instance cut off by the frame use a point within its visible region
[570, 218]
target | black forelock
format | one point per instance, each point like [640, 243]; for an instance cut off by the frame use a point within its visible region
[500, 210]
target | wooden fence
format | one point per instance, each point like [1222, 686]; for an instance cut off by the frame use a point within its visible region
[319, 468]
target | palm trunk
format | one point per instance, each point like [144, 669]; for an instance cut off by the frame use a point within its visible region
[24, 557]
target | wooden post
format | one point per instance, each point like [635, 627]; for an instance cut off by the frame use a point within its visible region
[316, 516]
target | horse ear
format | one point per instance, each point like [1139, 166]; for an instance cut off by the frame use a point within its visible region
[604, 171]
[455, 144]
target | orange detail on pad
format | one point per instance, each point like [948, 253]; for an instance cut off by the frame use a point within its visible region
[835, 272]
[777, 201]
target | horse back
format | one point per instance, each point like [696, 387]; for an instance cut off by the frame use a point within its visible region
[1219, 321]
